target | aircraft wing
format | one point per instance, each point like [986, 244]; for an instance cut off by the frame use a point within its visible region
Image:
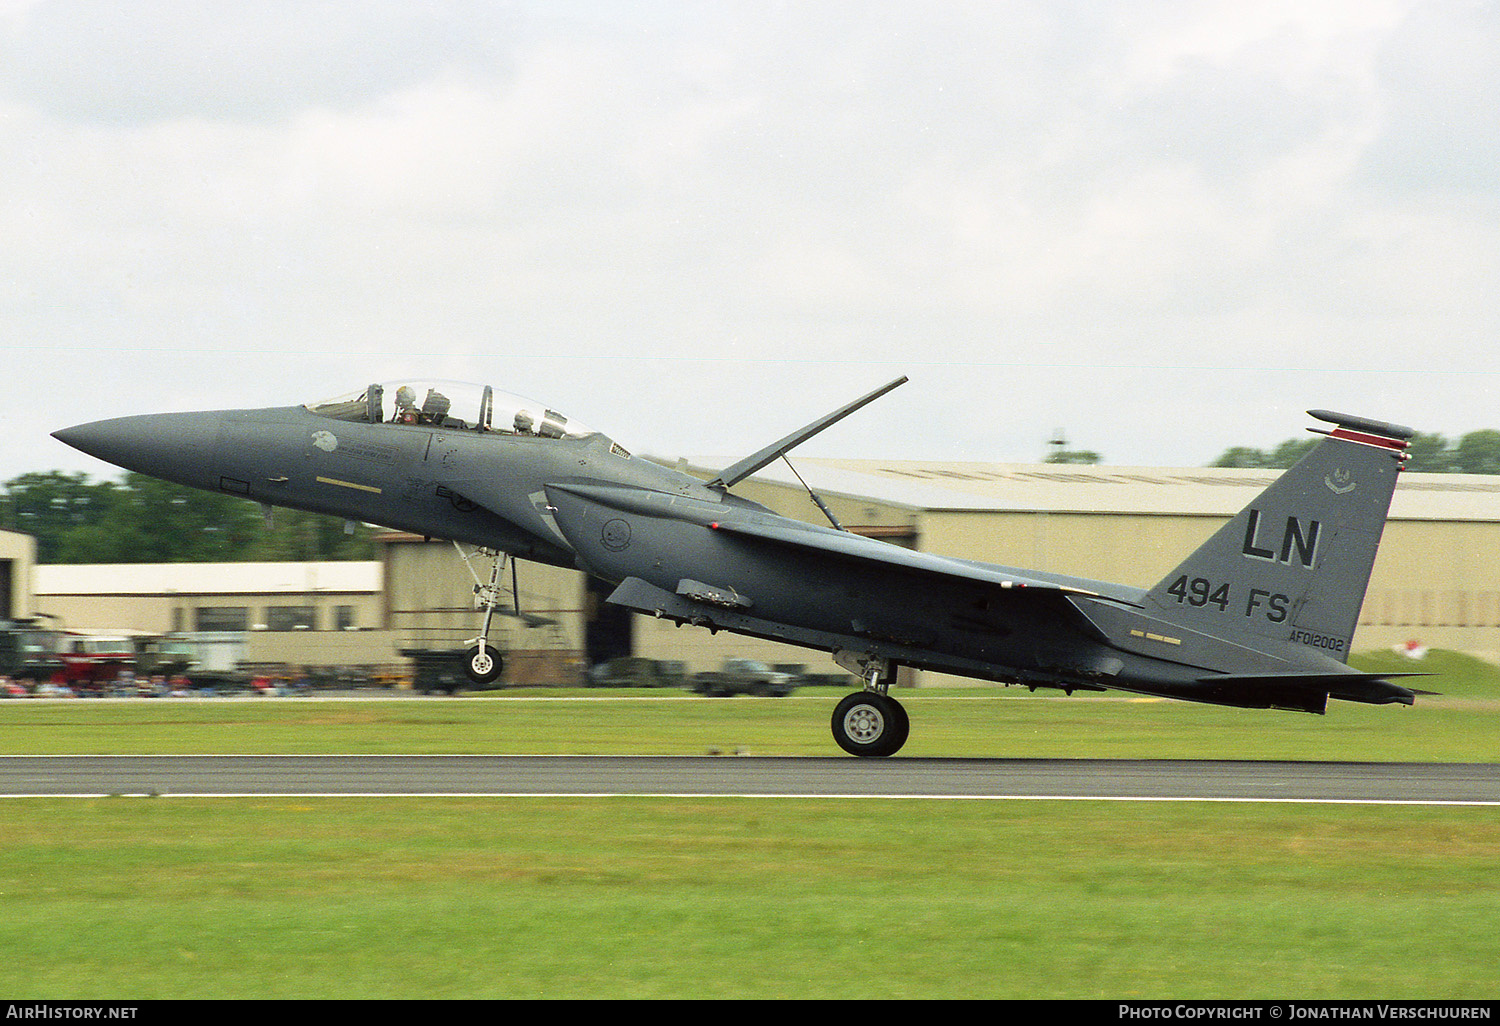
[859, 549]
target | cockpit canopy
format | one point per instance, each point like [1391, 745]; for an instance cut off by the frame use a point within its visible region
[452, 406]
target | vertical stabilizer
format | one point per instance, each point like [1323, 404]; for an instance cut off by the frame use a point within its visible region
[1295, 562]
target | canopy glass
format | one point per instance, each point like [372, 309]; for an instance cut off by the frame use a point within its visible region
[450, 405]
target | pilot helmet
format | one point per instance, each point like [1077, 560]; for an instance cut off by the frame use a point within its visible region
[405, 396]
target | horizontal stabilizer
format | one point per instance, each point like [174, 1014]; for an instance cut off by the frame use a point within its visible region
[1371, 688]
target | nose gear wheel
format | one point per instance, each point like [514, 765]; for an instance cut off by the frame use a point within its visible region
[484, 664]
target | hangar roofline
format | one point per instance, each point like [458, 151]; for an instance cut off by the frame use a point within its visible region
[327, 577]
[959, 486]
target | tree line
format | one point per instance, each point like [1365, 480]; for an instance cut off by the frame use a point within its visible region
[139, 519]
[1477, 452]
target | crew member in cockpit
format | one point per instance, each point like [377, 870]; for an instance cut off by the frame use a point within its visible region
[406, 405]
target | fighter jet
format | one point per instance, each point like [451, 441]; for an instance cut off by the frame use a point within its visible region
[1260, 616]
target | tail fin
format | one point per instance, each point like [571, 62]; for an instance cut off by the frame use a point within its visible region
[1295, 563]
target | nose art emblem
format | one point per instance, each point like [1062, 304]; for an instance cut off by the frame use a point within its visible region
[325, 440]
[616, 535]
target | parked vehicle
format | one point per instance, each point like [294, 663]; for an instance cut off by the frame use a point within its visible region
[92, 664]
[637, 672]
[28, 651]
[744, 677]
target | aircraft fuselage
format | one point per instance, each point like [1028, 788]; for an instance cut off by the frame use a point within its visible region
[1256, 617]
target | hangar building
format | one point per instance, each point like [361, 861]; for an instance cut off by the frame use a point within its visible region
[17, 557]
[297, 613]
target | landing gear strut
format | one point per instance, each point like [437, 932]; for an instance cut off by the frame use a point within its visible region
[483, 663]
[870, 722]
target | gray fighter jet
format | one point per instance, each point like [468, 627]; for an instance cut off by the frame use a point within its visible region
[1260, 616]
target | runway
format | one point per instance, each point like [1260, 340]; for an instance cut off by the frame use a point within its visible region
[838, 777]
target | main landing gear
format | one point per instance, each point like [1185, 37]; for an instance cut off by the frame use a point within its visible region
[483, 663]
[871, 722]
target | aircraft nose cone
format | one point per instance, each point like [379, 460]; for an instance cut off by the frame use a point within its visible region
[175, 446]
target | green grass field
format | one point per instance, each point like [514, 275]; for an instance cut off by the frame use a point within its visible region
[139, 898]
[455, 898]
[954, 724]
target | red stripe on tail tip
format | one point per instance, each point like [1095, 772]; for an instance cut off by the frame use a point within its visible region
[1398, 444]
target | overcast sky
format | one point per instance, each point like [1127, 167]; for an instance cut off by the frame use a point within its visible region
[1163, 228]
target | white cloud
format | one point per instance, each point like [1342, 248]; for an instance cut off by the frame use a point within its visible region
[1077, 216]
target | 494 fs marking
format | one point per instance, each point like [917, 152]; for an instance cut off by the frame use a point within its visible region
[1272, 606]
[1199, 591]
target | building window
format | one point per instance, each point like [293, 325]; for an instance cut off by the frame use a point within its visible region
[343, 618]
[291, 618]
[221, 618]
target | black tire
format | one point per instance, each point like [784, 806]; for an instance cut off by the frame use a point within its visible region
[872, 725]
[483, 666]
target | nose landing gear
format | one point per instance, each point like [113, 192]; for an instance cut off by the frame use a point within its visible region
[483, 662]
